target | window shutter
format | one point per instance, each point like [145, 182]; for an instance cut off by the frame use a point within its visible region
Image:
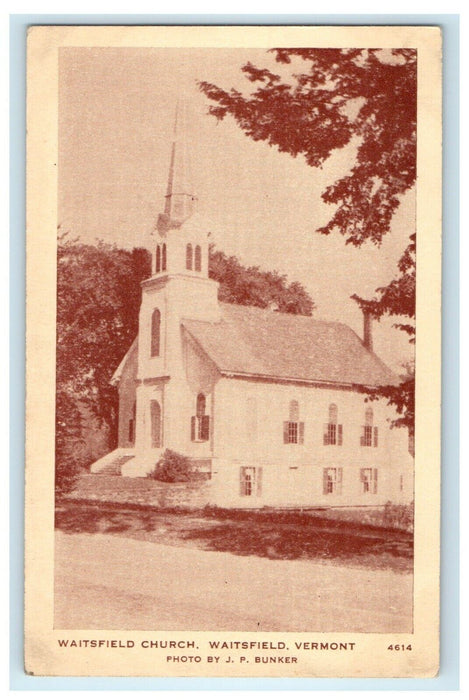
[286, 436]
[362, 437]
[205, 427]
[259, 481]
[241, 482]
[301, 433]
[326, 434]
[193, 428]
[324, 481]
[339, 434]
[375, 437]
[339, 479]
[375, 481]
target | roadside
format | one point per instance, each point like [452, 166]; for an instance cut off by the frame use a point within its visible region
[286, 535]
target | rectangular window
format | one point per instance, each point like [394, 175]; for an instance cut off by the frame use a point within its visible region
[369, 480]
[293, 432]
[369, 436]
[250, 483]
[332, 434]
[200, 428]
[332, 480]
[131, 431]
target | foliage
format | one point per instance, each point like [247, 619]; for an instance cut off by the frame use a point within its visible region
[68, 455]
[345, 97]
[251, 286]
[366, 95]
[172, 467]
[98, 300]
[398, 297]
[399, 516]
[98, 297]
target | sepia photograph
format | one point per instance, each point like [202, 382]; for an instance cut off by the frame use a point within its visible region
[237, 255]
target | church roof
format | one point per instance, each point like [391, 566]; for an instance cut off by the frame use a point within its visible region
[249, 341]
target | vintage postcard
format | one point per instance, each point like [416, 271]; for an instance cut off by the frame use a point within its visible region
[233, 364]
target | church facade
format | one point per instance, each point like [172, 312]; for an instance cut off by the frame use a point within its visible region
[271, 406]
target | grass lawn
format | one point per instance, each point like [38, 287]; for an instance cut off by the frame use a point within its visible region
[270, 534]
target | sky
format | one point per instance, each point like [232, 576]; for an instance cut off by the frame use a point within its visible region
[116, 114]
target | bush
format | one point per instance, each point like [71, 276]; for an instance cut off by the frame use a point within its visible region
[172, 467]
[399, 516]
[69, 459]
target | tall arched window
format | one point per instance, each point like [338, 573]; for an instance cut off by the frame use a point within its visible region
[188, 257]
[369, 435]
[200, 423]
[201, 403]
[293, 430]
[332, 430]
[158, 258]
[155, 333]
[163, 257]
[294, 411]
[132, 424]
[155, 412]
[198, 258]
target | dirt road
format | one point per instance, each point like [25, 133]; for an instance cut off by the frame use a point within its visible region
[111, 582]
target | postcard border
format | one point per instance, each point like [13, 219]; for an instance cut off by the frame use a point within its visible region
[449, 647]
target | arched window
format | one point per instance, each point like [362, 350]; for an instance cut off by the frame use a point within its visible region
[200, 423]
[332, 430]
[155, 413]
[188, 257]
[293, 430]
[294, 411]
[158, 258]
[201, 403]
[198, 258]
[369, 436]
[132, 424]
[163, 257]
[155, 333]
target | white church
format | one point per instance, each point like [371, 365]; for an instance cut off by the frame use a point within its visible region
[270, 405]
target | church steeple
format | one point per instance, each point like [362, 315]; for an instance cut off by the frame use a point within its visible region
[181, 246]
[180, 199]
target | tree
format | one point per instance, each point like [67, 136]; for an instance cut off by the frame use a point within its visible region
[251, 286]
[68, 441]
[98, 300]
[345, 97]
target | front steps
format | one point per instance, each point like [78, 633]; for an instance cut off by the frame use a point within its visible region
[112, 463]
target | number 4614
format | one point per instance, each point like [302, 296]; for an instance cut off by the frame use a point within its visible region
[400, 647]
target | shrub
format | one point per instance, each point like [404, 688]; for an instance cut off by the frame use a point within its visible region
[172, 467]
[398, 516]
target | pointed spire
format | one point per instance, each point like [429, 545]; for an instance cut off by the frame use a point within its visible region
[179, 200]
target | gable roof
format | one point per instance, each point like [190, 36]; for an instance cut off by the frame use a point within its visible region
[117, 376]
[249, 341]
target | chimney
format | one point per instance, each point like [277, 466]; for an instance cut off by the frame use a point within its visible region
[367, 331]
